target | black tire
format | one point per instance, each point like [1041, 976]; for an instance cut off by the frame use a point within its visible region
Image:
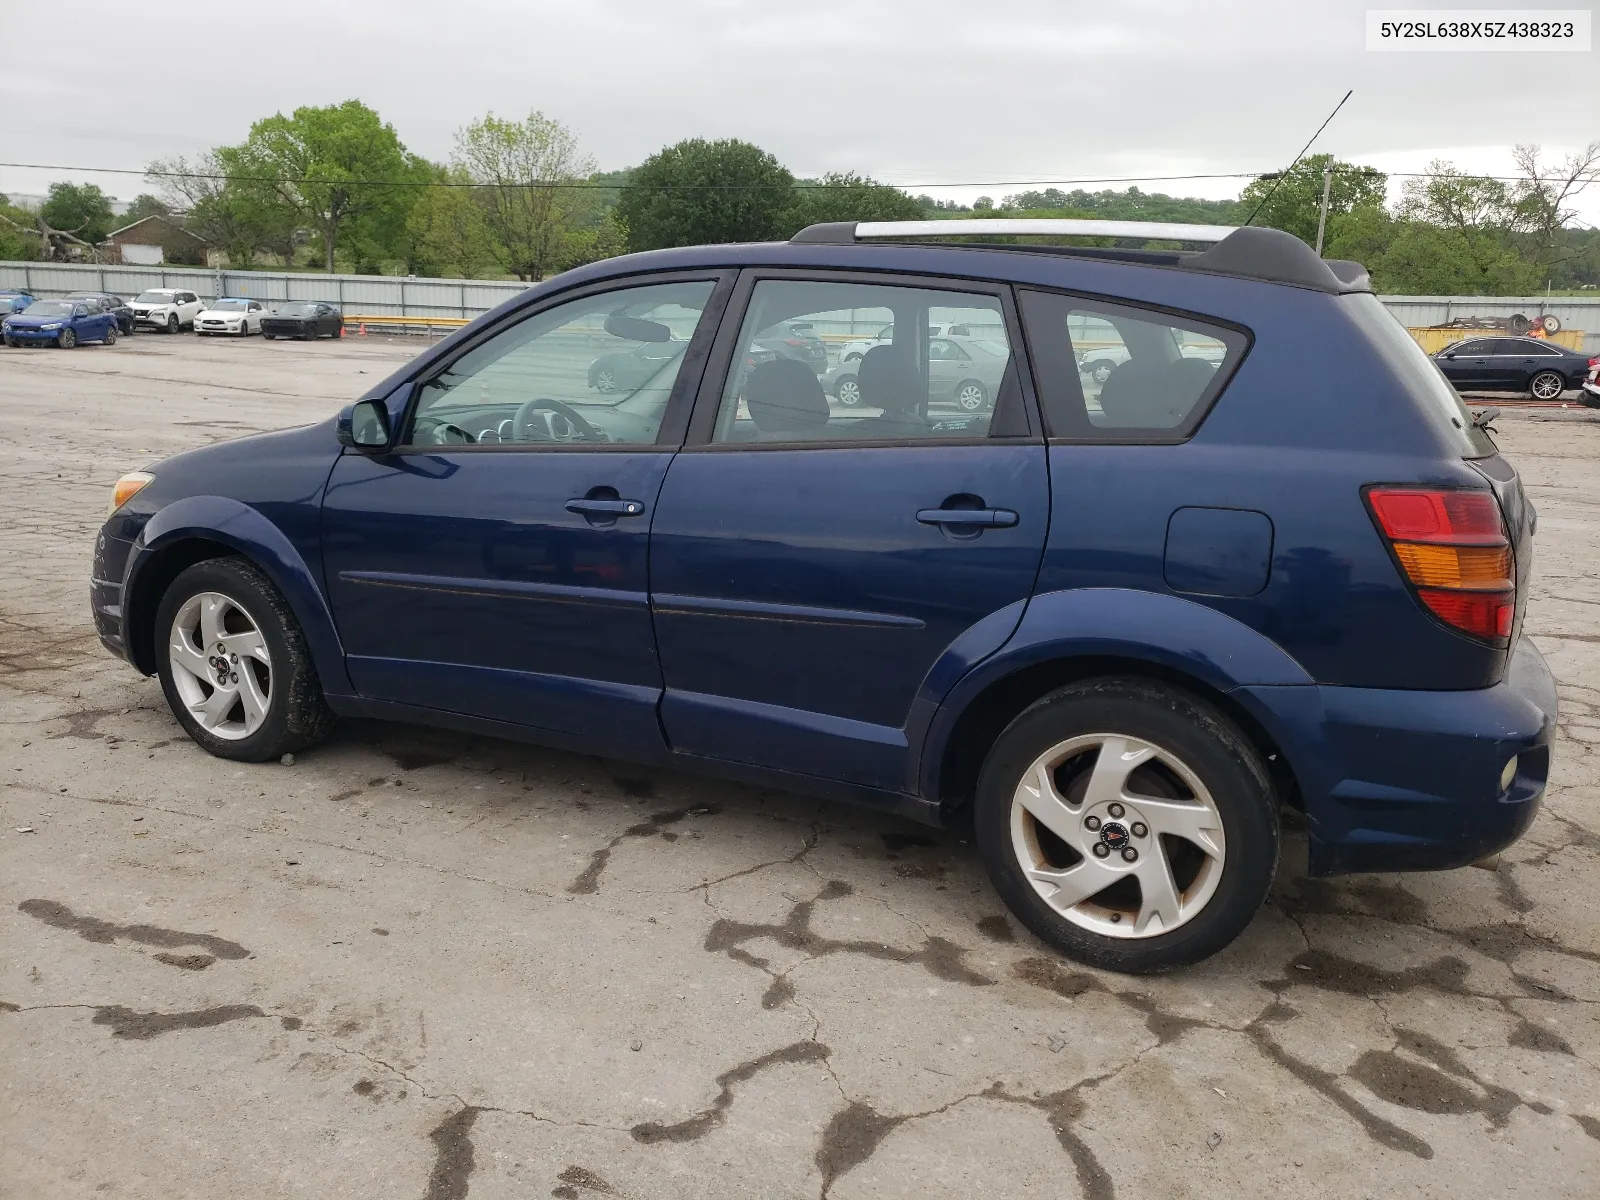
[297, 715]
[67, 339]
[1547, 385]
[111, 336]
[172, 322]
[1181, 725]
[267, 337]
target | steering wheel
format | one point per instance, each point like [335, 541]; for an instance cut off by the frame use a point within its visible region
[578, 429]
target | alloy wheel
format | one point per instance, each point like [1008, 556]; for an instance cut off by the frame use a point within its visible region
[1547, 385]
[1117, 835]
[848, 391]
[971, 397]
[220, 665]
[605, 381]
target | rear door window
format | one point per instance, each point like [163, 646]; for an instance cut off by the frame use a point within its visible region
[1114, 373]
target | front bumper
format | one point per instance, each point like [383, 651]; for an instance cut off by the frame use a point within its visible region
[154, 320]
[1410, 780]
[105, 588]
[34, 335]
[1590, 394]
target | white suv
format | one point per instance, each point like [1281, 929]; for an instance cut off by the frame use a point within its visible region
[166, 308]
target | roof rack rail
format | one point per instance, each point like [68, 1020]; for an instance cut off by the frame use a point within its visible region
[1034, 227]
[1251, 252]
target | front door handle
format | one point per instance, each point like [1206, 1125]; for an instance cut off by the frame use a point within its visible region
[604, 508]
[988, 518]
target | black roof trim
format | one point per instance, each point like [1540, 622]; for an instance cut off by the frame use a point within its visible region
[1252, 252]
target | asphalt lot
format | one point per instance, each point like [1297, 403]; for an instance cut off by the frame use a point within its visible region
[419, 965]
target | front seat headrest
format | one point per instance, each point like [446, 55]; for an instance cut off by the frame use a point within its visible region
[784, 397]
[888, 380]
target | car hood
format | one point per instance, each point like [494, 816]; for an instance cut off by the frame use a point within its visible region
[274, 316]
[153, 307]
[18, 321]
[224, 314]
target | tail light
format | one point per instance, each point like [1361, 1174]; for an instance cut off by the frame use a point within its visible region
[1454, 549]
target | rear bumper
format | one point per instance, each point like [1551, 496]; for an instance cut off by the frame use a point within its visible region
[1410, 780]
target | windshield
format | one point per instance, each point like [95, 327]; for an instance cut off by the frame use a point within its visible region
[295, 310]
[1421, 375]
[49, 308]
[154, 298]
[230, 306]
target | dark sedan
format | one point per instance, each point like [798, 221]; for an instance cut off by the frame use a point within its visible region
[1513, 364]
[308, 319]
[111, 303]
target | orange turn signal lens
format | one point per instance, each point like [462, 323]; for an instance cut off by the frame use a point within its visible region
[129, 486]
[1478, 568]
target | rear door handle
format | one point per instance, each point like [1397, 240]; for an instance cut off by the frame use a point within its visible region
[990, 518]
[605, 508]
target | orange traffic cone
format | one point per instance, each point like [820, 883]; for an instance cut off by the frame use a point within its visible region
[362, 331]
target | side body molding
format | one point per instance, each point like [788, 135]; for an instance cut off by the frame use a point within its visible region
[1162, 630]
[220, 519]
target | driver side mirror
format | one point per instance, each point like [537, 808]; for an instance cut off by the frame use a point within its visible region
[1451, 354]
[365, 426]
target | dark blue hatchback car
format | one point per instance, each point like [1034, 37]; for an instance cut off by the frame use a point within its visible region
[1119, 618]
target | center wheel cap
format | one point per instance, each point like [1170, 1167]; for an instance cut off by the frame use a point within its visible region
[1114, 836]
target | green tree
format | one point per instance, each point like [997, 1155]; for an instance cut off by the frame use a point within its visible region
[531, 179]
[17, 241]
[847, 196]
[80, 209]
[145, 205]
[1456, 235]
[446, 231]
[225, 207]
[698, 192]
[1294, 201]
[336, 167]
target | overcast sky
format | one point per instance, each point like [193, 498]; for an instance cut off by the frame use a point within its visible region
[919, 92]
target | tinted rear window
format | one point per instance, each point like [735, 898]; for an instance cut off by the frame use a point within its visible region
[1115, 373]
[1437, 399]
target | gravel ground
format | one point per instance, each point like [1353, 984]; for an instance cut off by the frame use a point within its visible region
[414, 964]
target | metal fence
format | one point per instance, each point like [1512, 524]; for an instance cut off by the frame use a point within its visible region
[369, 295]
[374, 295]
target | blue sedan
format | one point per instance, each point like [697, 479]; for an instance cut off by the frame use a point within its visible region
[62, 322]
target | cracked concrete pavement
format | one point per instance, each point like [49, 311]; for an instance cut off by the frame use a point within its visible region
[416, 964]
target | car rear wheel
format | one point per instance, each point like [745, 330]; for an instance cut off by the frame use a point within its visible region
[1101, 372]
[234, 665]
[1128, 824]
[847, 391]
[66, 339]
[1546, 385]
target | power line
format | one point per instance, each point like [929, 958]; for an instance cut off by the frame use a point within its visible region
[1279, 180]
[590, 184]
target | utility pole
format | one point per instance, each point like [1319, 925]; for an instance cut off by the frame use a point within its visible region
[1327, 188]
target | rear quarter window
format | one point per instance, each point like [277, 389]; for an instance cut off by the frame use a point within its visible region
[1118, 373]
[1437, 399]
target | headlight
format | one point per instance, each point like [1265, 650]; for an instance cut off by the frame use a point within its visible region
[53, 325]
[129, 486]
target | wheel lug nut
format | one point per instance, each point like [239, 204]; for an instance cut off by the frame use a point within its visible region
[233, 658]
[1101, 849]
[1140, 829]
[233, 679]
[1115, 810]
[1130, 855]
[1091, 822]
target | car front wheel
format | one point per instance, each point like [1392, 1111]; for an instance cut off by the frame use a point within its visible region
[111, 336]
[172, 322]
[66, 339]
[847, 391]
[234, 664]
[971, 396]
[1546, 385]
[1130, 825]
